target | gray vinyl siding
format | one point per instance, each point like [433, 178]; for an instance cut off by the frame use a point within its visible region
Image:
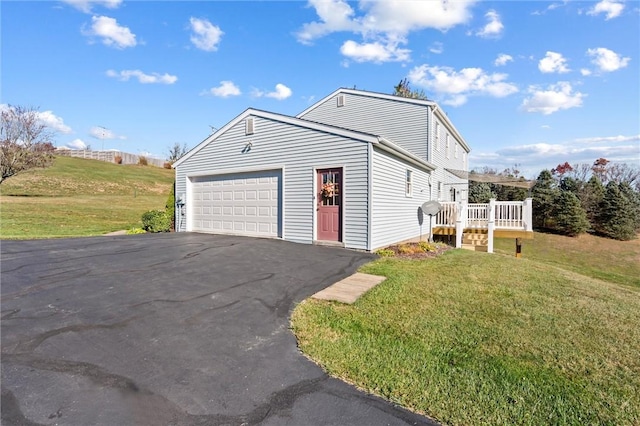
[395, 216]
[298, 150]
[439, 158]
[404, 124]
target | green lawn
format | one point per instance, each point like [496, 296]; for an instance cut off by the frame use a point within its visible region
[78, 197]
[471, 338]
[602, 258]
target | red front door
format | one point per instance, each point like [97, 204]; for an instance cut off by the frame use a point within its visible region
[329, 198]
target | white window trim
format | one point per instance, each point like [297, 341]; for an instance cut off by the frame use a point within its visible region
[437, 136]
[408, 183]
[448, 147]
[455, 151]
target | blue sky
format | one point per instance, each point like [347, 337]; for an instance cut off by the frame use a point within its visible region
[532, 83]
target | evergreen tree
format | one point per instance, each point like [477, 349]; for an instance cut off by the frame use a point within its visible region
[590, 197]
[570, 217]
[634, 199]
[480, 192]
[617, 218]
[544, 194]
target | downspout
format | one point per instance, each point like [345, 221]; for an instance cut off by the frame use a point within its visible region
[370, 196]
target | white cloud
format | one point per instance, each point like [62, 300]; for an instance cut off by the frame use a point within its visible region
[374, 52]
[555, 98]
[383, 25]
[607, 60]
[112, 34]
[281, 92]
[552, 6]
[87, 5]
[502, 60]
[143, 78]
[612, 9]
[456, 86]
[585, 72]
[206, 36]
[103, 133]
[53, 122]
[553, 62]
[494, 27]
[226, 89]
[533, 158]
[437, 48]
[616, 139]
[75, 144]
[47, 118]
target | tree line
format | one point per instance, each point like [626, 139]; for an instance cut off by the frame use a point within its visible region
[602, 198]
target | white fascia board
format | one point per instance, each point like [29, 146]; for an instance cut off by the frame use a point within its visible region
[394, 149]
[445, 120]
[367, 94]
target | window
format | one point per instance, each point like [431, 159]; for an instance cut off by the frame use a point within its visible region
[409, 184]
[448, 146]
[248, 126]
[455, 152]
[340, 100]
[437, 136]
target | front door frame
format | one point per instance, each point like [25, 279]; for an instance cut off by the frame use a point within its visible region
[316, 191]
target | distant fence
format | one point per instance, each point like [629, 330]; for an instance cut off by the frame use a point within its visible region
[109, 156]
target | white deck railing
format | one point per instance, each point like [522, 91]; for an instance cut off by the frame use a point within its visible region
[511, 215]
[506, 215]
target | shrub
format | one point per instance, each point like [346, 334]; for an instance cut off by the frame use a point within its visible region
[170, 208]
[386, 253]
[427, 247]
[167, 165]
[156, 221]
[409, 248]
[142, 161]
[134, 231]
[117, 159]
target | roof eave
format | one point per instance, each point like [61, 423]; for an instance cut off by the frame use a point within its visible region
[402, 153]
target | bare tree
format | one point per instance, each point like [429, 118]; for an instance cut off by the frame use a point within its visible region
[404, 89]
[176, 152]
[25, 141]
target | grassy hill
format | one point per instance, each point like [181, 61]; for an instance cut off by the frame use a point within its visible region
[78, 197]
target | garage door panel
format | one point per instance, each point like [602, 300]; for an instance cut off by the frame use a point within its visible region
[246, 204]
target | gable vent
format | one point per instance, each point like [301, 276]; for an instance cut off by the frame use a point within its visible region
[340, 100]
[248, 126]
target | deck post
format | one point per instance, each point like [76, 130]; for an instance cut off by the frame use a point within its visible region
[460, 223]
[491, 225]
[527, 214]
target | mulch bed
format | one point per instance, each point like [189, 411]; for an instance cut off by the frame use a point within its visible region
[412, 251]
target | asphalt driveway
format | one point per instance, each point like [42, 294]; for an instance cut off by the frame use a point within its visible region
[180, 329]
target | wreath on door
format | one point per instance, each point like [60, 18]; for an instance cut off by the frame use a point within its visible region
[328, 190]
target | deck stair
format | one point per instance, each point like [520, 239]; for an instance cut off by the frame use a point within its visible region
[475, 240]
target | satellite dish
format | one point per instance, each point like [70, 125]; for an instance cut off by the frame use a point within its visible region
[431, 207]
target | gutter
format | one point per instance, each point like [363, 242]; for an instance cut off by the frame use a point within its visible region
[394, 149]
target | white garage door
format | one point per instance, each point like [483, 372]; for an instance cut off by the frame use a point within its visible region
[242, 204]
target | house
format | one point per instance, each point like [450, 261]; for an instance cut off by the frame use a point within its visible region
[351, 170]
